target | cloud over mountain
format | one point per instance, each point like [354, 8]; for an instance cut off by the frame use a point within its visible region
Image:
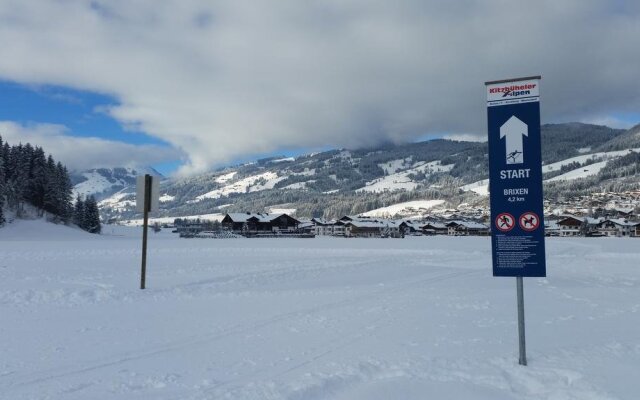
[79, 153]
[226, 79]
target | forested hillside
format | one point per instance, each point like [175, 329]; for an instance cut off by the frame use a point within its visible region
[578, 157]
[33, 182]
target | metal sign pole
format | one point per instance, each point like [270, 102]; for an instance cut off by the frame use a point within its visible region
[147, 207]
[521, 339]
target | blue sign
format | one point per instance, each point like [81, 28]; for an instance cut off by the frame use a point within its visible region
[515, 178]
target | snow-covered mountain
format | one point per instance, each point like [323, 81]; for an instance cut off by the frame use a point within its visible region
[381, 180]
[105, 182]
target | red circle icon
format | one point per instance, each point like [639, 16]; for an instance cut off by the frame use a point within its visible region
[529, 221]
[505, 222]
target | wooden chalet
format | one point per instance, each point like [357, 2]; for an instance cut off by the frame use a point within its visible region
[467, 228]
[259, 223]
[435, 228]
[618, 228]
[577, 226]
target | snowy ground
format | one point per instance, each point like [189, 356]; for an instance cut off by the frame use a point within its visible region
[409, 208]
[324, 318]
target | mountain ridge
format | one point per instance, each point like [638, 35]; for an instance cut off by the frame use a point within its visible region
[343, 181]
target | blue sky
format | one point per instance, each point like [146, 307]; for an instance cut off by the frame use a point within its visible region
[81, 112]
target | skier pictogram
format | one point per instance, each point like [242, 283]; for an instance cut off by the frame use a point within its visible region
[505, 222]
[512, 131]
[511, 157]
[529, 221]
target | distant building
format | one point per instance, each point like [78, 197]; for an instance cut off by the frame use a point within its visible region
[411, 227]
[618, 228]
[467, 228]
[577, 226]
[259, 223]
[323, 227]
[551, 227]
[373, 228]
[369, 227]
[435, 228]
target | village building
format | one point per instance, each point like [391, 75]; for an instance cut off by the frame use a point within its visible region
[307, 227]
[322, 227]
[260, 223]
[467, 228]
[551, 227]
[409, 227]
[372, 228]
[435, 228]
[618, 228]
[577, 226]
[339, 228]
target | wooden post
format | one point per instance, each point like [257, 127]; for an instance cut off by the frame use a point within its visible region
[147, 208]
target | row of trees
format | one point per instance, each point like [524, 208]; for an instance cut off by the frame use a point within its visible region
[29, 176]
[86, 214]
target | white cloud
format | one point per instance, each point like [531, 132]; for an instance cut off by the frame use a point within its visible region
[226, 79]
[79, 153]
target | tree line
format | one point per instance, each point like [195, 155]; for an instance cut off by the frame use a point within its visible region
[28, 176]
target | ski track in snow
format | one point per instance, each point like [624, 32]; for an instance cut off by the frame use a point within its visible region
[325, 318]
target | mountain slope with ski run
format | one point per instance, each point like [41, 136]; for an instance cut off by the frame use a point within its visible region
[105, 182]
[328, 318]
[358, 181]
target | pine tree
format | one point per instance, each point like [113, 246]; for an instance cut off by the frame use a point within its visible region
[91, 218]
[65, 193]
[2, 182]
[38, 179]
[78, 212]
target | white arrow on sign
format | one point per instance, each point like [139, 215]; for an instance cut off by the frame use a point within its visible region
[513, 130]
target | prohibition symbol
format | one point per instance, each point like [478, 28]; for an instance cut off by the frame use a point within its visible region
[529, 221]
[505, 222]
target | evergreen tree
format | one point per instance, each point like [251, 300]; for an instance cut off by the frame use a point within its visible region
[78, 212]
[2, 182]
[91, 220]
[38, 179]
[65, 193]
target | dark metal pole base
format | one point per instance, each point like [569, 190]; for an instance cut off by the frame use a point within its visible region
[521, 338]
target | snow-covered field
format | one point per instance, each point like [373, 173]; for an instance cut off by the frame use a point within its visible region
[581, 172]
[324, 318]
[409, 208]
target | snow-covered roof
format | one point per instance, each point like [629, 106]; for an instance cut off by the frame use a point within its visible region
[551, 225]
[373, 223]
[621, 222]
[469, 224]
[261, 217]
[436, 225]
[590, 220]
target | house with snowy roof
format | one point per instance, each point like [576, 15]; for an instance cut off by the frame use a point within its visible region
[570, 225]
[324, 227]
[435, 228]
[467, 228]
[410, 227]
[618, 227]
[551, 227]
[371, 228]
[254, 223]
